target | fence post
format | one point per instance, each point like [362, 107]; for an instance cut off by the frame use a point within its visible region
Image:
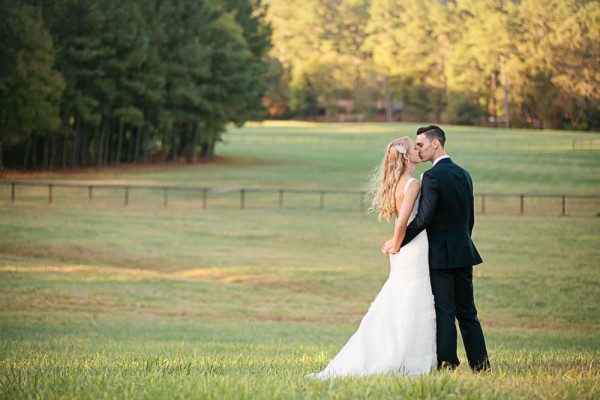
[242, 193]
[280, 198]
[165, 197]
[522, 204]
[12, 191]
[564, 205]
[322, 205]
[49, 193]
[126, 195]
[204, 196]
[90, 193]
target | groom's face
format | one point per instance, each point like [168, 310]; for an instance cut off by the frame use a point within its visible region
[425, 148]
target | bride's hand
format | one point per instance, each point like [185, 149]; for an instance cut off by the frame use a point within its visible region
[394, 248]
[387, 246]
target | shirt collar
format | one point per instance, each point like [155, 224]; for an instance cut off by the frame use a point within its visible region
[437, 160]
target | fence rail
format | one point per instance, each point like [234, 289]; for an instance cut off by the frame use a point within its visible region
[505, 203]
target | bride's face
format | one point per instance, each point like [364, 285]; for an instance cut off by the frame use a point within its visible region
[413, 153]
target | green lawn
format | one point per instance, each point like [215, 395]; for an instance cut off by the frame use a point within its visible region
[105, 301]
[340, 156]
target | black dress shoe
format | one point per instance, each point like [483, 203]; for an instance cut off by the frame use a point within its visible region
[484, 366]
[445, 365]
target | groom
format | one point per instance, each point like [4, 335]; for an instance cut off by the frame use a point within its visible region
[446, 212]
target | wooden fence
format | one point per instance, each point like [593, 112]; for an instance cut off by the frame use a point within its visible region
[485, 203]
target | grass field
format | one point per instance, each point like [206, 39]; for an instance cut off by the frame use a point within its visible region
[106, 301]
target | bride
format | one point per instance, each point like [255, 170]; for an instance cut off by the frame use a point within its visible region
[397, 334]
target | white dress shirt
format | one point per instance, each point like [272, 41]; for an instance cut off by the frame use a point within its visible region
[437, 160]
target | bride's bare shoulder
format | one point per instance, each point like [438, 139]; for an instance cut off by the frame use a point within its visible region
[414, 183]
[412, 188]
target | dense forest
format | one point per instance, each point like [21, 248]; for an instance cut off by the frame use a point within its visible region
[526, 63]
[86, 82]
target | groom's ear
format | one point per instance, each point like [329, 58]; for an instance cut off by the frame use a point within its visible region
[435, 143]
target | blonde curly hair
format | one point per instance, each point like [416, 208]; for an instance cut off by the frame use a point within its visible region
[384, 179]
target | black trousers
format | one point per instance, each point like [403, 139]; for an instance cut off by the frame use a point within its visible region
[453, 295]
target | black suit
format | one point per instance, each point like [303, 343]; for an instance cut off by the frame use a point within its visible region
[446, 212]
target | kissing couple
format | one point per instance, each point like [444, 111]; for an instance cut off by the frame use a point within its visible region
[410, 328]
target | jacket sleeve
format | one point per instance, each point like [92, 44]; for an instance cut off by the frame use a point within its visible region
[472, 213]
[430, 193]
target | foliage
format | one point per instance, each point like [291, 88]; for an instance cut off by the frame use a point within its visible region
[443, 60]
[30, 87]
[141, 78]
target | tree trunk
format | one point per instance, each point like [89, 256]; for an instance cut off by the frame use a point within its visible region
[145, 144]
[207, 150]
[493, 100]
[131, 144]
[192, 147]
[64, 151]
[120, 141]
[76, 143]
[46, 150]
[575, 122]
[388, 108]
[505, 89]
[27, 150]
[163, 155]
[486, 112]
[388, 101]
[211, 149]
[83, 148]
[52, 152]
[34, 151]
[138, 142]
[100, 157]
[174, 143]
[107, 137]
[181, 144]
[203, 150]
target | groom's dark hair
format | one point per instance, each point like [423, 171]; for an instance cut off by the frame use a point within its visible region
[433, 132]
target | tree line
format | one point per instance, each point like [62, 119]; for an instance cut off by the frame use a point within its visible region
[86, 82]
[525, 63]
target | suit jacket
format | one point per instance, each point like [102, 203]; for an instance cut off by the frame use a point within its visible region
[446, 211]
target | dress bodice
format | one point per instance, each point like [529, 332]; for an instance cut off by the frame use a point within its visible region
[416, 205]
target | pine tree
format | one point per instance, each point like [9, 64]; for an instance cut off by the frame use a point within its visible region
[29, 84]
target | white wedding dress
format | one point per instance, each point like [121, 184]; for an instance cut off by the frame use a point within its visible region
[397, 334]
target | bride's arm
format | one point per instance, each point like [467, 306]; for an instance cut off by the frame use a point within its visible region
[430, 193]
[408, 202]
